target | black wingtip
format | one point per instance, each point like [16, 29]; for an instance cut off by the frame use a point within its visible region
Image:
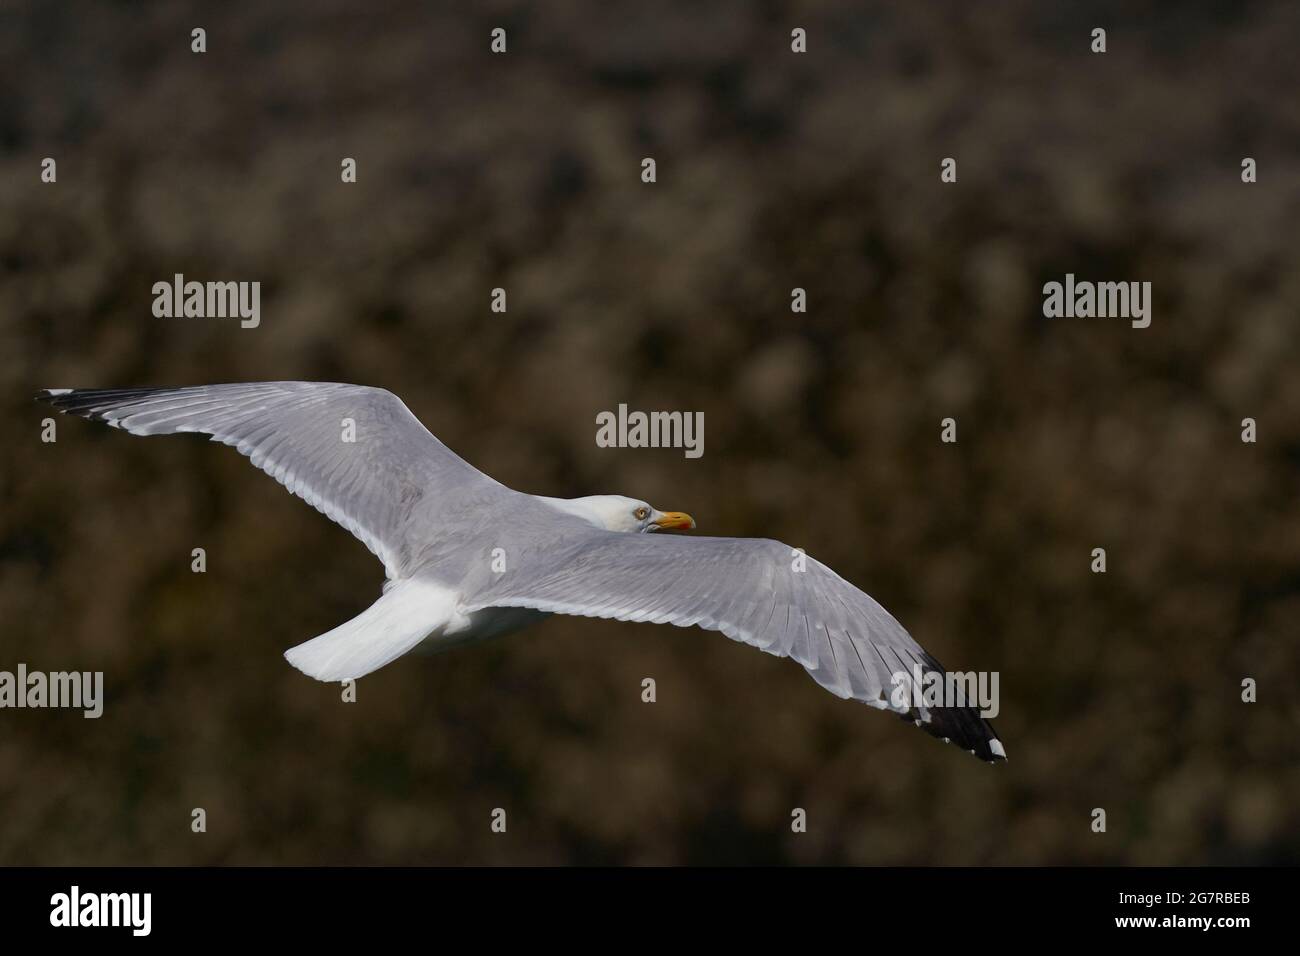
[87, 402]
[60, 398]
[962, 726]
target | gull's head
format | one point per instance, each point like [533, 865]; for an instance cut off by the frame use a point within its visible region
[620, 513]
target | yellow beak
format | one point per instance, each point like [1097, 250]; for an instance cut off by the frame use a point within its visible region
[675, 519]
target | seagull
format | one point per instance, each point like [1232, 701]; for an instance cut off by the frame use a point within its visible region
[466, 558]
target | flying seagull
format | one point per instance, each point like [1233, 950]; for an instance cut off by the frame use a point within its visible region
[468, 558]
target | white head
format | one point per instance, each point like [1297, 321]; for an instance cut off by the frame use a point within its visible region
[620, 513]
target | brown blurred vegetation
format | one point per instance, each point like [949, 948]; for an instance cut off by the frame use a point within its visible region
[1119, 691]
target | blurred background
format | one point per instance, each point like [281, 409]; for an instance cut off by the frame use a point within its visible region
[1119, 690]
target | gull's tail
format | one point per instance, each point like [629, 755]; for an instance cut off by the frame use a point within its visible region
[406, 613]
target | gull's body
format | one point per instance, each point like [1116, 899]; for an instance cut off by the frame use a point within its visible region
[467, 558]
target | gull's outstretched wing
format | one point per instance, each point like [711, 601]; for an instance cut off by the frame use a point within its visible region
[356, 454]
[750, 590]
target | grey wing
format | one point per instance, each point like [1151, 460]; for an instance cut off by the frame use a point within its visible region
[750, 590]
[356, 454]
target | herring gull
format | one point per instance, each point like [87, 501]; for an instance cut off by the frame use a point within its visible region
[468, 558]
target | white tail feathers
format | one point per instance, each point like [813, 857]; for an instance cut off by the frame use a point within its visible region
[406, 613]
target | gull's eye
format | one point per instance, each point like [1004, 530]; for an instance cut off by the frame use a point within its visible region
[641, 514]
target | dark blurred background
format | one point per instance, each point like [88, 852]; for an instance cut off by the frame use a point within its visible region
[775, 170]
